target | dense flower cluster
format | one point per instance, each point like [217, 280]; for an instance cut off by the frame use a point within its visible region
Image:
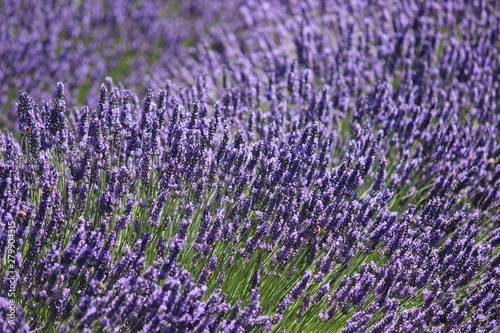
[319, 166]
[140, 43]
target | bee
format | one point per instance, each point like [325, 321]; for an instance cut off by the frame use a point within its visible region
[51, 189]
[318, 229]
[100, 285]
[210, 274]
[491, 161]
[342, 166]
[27, 130]
[22, 213]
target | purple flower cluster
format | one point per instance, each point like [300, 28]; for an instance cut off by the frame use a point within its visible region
[320, 166]
[83, 42]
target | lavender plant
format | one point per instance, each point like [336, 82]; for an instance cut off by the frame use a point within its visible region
[286, 166]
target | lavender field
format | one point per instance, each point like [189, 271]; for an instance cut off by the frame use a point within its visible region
[250, 166]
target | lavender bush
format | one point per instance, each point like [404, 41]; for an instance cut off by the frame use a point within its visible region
[298, 166]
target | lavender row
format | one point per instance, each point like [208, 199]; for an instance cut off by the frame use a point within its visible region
[403, 43]
[183, 182]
